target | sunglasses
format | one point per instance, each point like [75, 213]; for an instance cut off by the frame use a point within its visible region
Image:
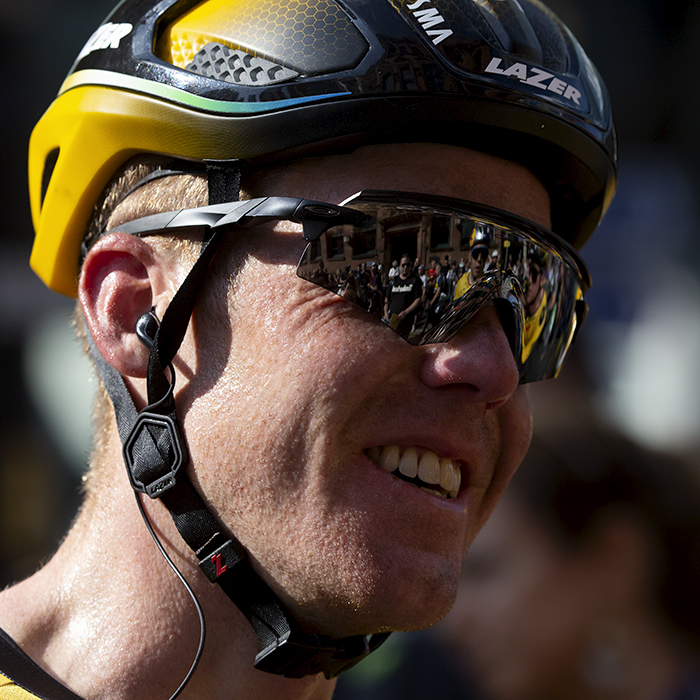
[540, 326]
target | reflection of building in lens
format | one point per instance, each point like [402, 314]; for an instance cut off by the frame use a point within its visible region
[426, 237]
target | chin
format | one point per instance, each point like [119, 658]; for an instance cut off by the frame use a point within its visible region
[413, 603]
[426, 610]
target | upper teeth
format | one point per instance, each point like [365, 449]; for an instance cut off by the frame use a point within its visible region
[428, 467]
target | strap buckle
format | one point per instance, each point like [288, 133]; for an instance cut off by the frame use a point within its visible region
[296, 654]
[154, 451]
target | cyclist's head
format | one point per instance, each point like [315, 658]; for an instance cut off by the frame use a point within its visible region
[295, 406]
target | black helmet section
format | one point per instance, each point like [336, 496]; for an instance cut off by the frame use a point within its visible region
[297, 77]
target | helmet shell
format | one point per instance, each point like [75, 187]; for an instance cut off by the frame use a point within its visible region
[267, 80]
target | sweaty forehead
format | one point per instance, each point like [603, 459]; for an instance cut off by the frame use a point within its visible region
[428, 168]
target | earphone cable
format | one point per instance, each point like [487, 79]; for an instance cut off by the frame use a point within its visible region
[188, 588]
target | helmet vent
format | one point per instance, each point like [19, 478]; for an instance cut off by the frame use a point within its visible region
[49, 165]
[223, 63]
[549, 31]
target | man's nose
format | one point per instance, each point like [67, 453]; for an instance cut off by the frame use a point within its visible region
[479, 357]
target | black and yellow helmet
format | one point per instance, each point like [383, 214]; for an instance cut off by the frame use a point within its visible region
[262, 80]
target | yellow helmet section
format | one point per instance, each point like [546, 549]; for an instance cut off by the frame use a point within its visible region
[308, 36]
[96, 130]
[101, 118]
[99, 121]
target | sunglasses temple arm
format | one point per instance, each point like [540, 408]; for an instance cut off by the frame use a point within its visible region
[315, 217]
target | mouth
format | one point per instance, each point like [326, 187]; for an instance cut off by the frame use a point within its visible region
[439, 476]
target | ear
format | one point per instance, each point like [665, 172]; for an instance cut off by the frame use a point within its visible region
[121, 279]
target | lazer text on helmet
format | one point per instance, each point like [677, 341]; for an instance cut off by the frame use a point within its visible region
[107, 36]
[536, 77]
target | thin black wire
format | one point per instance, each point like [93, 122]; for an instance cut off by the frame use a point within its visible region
[188, 588]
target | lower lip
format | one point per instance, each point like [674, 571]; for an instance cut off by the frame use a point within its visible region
[407, 490]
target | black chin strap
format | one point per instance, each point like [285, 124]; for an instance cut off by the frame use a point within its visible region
[156, 456]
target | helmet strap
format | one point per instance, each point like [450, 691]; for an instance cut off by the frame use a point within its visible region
[156, 456]
[224, 179]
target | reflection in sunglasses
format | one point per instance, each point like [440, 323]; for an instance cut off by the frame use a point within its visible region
[516, 247]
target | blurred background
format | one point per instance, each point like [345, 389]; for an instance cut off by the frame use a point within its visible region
[634, 368]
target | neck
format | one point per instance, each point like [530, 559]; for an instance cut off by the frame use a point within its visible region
[109, 619]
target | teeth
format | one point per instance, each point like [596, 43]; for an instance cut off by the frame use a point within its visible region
[389, 458]
[447, 474]
[433, 492]
[430, 469]
[458, 481]
[408, 465]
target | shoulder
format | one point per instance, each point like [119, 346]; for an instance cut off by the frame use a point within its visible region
[24, 673]
[11, 691]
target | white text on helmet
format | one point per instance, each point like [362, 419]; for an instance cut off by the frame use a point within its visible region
[427, 18]
[536, 77]
[107, 36]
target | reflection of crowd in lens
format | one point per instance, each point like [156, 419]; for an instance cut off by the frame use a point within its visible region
[478, 261]
[535, 302]
[409, 293]
[405, 294]
[413, 294]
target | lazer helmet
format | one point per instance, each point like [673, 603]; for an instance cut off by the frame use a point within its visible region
[264, 81]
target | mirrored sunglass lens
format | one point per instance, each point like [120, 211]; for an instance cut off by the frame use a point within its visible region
[538, 287]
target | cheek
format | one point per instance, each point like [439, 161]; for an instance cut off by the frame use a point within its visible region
[304, 339]
[299, 362]
[516, 422]
[515, 427]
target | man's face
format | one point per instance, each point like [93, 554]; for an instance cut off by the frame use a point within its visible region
[478, 260]
[405, 268]
[294, 388]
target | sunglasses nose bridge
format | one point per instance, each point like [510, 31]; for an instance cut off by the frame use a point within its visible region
[509, 305]
[505, 291]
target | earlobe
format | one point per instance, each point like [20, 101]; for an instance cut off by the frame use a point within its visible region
[119, 282]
